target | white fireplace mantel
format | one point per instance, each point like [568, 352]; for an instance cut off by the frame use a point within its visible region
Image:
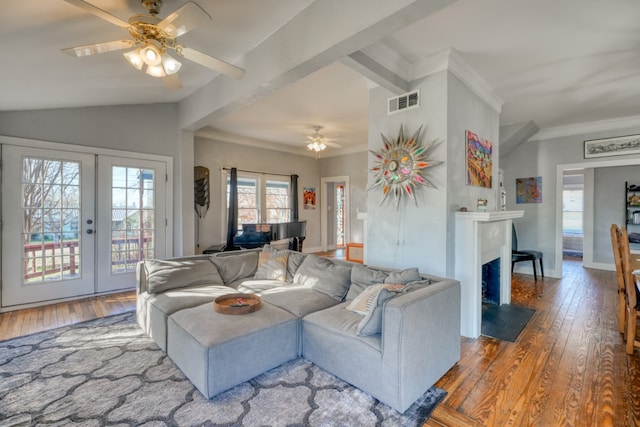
[481, 237]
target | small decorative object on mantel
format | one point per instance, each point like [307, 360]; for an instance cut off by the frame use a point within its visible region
[399, 166]
[482, 205]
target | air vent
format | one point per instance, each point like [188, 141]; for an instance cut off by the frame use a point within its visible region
[403, 102]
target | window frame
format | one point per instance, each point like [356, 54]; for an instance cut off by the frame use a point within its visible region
[261, 184]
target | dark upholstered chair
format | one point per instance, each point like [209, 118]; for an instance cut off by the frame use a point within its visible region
[518, 255]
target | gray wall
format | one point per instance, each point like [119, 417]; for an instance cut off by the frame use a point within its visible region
[537, 229]
[355, 167]
[149, 129]
[215, 155]
[609, 191]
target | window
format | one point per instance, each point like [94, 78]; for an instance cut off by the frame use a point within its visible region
[261, 199]
[572, 202]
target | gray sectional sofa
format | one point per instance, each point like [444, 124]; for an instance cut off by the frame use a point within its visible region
[391, 333]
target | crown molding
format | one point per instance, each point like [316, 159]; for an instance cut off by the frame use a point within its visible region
[452, 61]
[217, 135]
[586, 128]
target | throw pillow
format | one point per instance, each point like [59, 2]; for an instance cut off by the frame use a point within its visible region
[324, 276]
[272, 266]
[418, 284]
[361, 278]
[165, 274]
[237, 266]
[404, 276]
[293, 263]
[370, 304]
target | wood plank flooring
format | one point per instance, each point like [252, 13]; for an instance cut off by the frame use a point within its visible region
[568, 367]
[28, 321]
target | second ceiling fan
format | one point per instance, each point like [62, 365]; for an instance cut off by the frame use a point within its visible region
[153, 38]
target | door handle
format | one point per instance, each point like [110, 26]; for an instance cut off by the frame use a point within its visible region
[89, 231]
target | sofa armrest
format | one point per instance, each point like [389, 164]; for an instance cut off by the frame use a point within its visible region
[421, 336]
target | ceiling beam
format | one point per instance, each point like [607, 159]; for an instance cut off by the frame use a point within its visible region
[365, 65]
[514, 135]
[321, 34]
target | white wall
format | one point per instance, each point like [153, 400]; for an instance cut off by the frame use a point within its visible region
[149, 129]
[215, 155]
[423, 236]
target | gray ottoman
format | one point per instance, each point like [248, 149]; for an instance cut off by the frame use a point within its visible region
[218, 351]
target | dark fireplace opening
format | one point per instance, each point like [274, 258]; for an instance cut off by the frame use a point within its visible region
[491, 282]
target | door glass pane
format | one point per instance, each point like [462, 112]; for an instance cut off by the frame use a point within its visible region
[132, 217]
[277, 201]
[50, 216]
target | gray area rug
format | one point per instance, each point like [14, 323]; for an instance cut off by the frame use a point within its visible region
[108, 372]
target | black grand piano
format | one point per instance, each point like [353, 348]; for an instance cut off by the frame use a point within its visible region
[258, 235]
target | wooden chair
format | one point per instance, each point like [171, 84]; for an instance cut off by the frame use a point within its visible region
[617, 257]
[632, 313]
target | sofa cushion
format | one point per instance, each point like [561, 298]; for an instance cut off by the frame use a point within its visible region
[336, 326]
[293, 263]
[324, 276]
[171, 274]
[178, 299]
[272, 266]
[235, 267]
[363, 277]
[298, 300]
[403, 277]
[259, 286]
[370, 304]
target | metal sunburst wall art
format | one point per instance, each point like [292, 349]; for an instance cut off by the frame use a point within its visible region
[399, 166]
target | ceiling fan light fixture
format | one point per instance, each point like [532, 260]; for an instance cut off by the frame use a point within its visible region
[151, 55]
[134, 58]
[316, 146]
[170, 65]
[156, 70]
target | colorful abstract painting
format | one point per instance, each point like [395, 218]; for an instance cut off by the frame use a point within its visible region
[309, 197]
[529, 190]
[479, 161]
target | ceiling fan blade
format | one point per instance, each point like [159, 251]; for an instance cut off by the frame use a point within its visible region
[88, 7]
[92, 49]
[210, 62]
[184, 19]
[172, 82]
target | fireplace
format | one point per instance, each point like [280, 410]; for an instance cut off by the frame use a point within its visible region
[491, 282]
[482, 239]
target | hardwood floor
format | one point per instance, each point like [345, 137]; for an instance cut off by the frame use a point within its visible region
[568, 367]
[28, 321]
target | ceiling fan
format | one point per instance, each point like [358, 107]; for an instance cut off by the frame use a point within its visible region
[317, 142]
[152, 38]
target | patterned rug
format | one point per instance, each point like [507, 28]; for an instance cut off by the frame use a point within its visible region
[108, 372]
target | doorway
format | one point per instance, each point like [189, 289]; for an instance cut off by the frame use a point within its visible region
[573, 214]
[334, 217]
[77, 223]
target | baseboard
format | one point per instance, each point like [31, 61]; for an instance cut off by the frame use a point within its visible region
[312, 249]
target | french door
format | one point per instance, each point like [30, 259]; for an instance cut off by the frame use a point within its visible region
[76, 224]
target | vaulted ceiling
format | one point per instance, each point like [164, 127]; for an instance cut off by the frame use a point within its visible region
[557, 64]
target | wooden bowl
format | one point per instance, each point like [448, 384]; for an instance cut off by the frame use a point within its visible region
[237, 304]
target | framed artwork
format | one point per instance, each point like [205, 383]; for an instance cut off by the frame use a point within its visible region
[529, 190]
[479, 161]
[618, 146]
[309, 198]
